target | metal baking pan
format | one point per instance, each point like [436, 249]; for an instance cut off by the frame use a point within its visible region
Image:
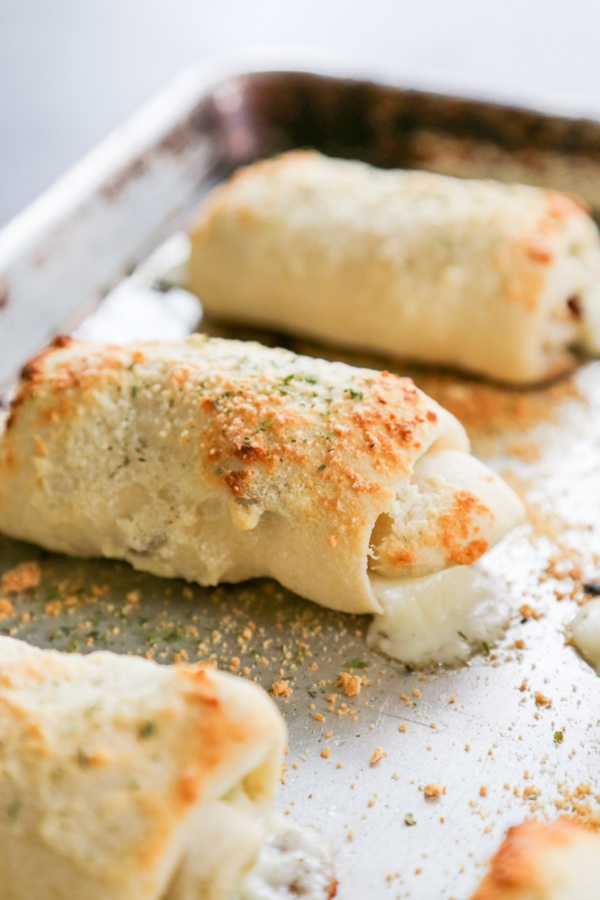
[484, 733]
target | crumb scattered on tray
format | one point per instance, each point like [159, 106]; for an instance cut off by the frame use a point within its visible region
[25, 575]
[350, 684]
[434, 791]
[281, 688]
[6, 607]
[528, 612]
[378, 754]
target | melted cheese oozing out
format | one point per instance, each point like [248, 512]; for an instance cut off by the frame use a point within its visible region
[586, 633]
[251, 857]
[441, 618]
[294, 862]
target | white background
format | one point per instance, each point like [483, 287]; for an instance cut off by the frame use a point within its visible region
[70, 70]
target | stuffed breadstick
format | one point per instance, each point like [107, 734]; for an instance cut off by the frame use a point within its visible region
[122, 779]
[500, 280]
[216, 460]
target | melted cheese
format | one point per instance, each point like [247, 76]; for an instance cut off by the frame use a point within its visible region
[287, 860]
[441, 618]
[295, 862]
[586, 633]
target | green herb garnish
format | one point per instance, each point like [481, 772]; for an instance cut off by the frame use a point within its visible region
[178, 634]
[146, 730]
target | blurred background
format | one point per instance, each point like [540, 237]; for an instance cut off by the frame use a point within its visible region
[70, 70]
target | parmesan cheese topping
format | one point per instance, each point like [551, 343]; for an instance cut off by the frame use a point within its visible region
[451, 512]
[218, 460]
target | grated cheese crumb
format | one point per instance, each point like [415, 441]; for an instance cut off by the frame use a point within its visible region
[378, 754]
[25, 575]
[434, 791]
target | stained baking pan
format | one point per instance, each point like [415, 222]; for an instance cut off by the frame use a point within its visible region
[414, 777]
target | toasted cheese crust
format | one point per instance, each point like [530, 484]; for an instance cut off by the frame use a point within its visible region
[220, 460]
[492, 278]
[113, 768]
[544, 861]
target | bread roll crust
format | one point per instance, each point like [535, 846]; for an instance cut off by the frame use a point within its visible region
[544, 861]
[482, 276]
[111, 766]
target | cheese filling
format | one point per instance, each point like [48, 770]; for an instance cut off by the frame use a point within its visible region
[294, 862]
[437, 607]
[254, 855]
[437, 619]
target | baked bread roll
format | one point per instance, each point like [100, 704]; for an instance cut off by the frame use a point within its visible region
[122, 779]
[217, 460]
[544, 861]
[499, 280]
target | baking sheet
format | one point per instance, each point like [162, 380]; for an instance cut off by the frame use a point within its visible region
[510, 735]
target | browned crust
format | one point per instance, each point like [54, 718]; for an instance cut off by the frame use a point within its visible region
[33, 375]
[456, 531]
[217, 733]
[561, 205]
[514, 869]
[456, 527]
[253, 427]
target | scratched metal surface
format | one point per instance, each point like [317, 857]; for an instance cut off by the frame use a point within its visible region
[546, 441]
